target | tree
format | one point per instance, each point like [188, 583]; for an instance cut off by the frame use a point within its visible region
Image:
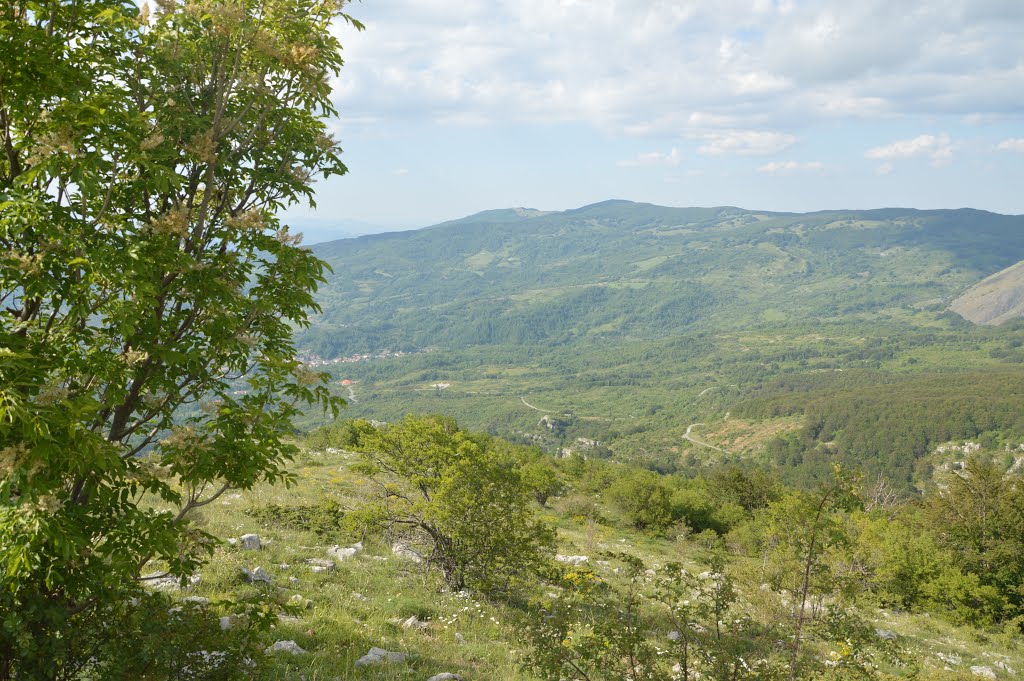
[979, 517]
[148, 291]
[465, 505]
[644, 499]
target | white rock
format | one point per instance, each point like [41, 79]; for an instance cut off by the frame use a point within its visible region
[198, 601]
[256, 575]
[460, 638]
[339, 554]
[414, 623]
[379, 655]
[167, 582]
[885, 634]
[445, 676]
[403, 550]
[225, 623]
[674, 635]
[285, 647]
[984, 672]
[249, 542]
[320, 564]
[1002, 665]
[572, 560]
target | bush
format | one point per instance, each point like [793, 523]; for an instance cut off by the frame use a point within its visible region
[643, 499]
[323, 518]
[465, 505]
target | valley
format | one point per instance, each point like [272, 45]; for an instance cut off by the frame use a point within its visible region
[625, 323]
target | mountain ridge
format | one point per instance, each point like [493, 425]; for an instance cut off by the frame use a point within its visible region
[625, 269]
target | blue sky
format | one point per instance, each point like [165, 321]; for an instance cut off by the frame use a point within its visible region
[449, 107]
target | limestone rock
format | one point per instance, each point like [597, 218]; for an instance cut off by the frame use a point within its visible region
[572, 560]
[414, 623]
[340, 554]
[1006, 668]
[250, 542]
[984, 672]
[885, 634]
[256, 575]
[403, 550]
[285, 647]
[445, 676]
[320, 564]
[378, 656]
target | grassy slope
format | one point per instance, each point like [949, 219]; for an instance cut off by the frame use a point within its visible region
[362, 602]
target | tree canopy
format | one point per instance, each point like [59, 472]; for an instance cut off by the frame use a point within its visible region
[149, 293]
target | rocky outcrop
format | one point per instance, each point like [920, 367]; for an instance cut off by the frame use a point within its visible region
[994, 300]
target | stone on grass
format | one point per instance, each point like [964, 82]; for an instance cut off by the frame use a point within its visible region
[256, 575]
[300, 601]
[320, 564]
[339, 554]
[984, 672]
[226, 622]
[674, 635]
[572, 560]
[378, 656]
[885, 634]
[403, 550]
[164, 582]
[249, 542]
[285, 647]
[414, 623]
[445, 676]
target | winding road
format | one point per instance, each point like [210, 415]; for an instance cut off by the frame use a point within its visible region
[686, 436]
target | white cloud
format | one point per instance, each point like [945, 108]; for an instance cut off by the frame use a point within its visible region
[627, 66]
[791, 167]
[884, 169]
[937, 147]
[1012, 144]
[400, 172]
[654, 158]
[745, 143]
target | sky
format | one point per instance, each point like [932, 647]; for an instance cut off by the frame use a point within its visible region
[450, 107]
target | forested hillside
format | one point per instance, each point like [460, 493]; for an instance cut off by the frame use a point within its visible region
[636, 271]
[789, 340]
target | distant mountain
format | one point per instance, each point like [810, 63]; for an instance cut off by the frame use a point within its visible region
[994, 300]
[637, 271]
[320, 230]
